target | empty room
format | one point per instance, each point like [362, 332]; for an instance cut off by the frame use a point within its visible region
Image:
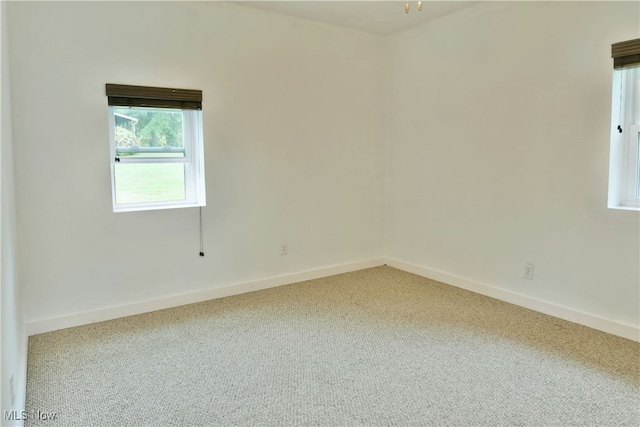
[325, 213]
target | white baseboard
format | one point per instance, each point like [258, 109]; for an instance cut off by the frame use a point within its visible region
[593, 321]
[109, 313]
[21, 390]
[83, 318]
[19, 401]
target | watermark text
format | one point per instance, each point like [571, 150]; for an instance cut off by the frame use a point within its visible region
[16, 415]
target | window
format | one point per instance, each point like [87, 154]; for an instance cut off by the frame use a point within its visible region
[624, 166]
[156, 151]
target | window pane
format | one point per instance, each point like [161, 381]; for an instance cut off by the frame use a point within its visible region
[149, 182]
[148, 132]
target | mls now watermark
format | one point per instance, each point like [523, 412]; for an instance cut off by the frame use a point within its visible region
[16, 415]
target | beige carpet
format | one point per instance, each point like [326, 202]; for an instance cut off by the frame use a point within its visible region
[374, 347]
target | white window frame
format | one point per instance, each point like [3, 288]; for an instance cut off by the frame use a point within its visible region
[623, 166]
[631, 182]
[193, 161]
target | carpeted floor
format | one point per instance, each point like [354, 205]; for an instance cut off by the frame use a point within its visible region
[373, 347]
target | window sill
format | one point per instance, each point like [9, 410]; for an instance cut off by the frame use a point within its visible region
[625, 208]
[156, 207]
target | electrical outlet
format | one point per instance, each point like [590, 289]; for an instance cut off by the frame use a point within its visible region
[528, 271]
[284, 249]
[13, 391]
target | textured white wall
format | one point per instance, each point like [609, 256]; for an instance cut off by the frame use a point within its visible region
[498, 152]
[293, 144]
[12, 345]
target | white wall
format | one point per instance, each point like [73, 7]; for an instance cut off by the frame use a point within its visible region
[497, 150]
[498, 153]
[13, 341]
[293, 145]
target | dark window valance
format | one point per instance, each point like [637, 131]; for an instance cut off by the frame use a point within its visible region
[145, 96]
[626, 54]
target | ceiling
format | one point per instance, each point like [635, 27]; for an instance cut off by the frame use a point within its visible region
[374, 16]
